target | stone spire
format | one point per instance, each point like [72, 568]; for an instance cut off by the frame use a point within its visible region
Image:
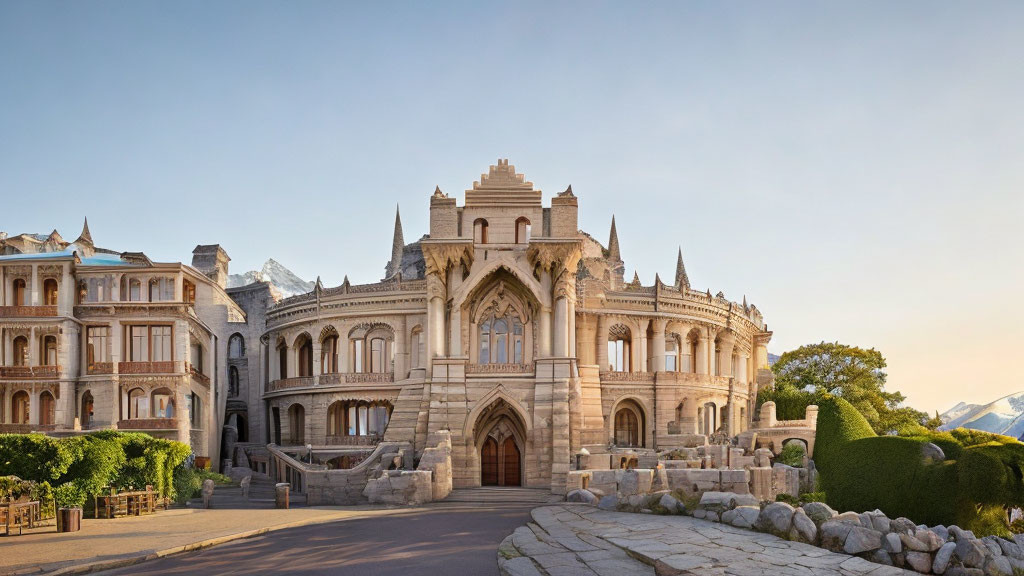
[85, 237]
[682, 280]
[397, 247]
[613, 244]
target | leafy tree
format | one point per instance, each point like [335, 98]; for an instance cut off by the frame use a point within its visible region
[806, 375]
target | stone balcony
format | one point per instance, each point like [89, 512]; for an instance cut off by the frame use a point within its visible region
[197, 375]
[498, 369]
[169, 367]
[100, 368]
[331, 379]
[30, 372]
[28, 311]
[148, 424]
[287, 383]
[371, 440]
[637, 377]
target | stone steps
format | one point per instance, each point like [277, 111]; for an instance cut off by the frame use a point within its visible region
[500, 494]
[262, 493]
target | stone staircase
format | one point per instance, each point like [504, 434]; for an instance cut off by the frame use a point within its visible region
[261, 495]
[503, 495]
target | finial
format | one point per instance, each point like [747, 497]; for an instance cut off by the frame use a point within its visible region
[85, 236]
[613, 244]
[682, 280]
[567, 192]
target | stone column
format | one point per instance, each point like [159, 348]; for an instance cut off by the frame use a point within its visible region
[455, 319]
[602, 342]
[317, 359]
[703, 354]
[183, 399]
[572, 328]
[561, 328]
[401, 350]
[35, 291]
[435, 316]
[33, 348]
[545, 333]
[639, 363]
[66, 292]
[658, 358]
[725, 358]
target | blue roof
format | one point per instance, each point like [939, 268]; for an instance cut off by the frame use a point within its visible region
[97, 259]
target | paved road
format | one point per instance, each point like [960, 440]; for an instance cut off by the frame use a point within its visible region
[437, 540]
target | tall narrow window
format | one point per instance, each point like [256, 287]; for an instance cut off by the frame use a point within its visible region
[134, 290]
[47, 409]
[282, 360]
[522, 230]
[138, 344]
[671, 355]
[138, 404]
[377, 355]
[20, 294]
[162, 404]
[162, 344]
[50, 292]
[189, 289]
[21, 351]
[357, 356]
[49, 351]
[415, 348]
[480, 231]
[485, 342]
[236, 346]
[233, 382]
[195, 414]
[501, 341]
[19, 407]
[329, 355]
[305, 358]
[517, 341]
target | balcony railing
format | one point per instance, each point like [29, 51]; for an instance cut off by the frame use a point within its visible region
[148, 424]
[27, 311]
[29, 371]
[369, 377]
[100, 368]
[627, 377]
[146, 367]
[332, 379]
[372, 440]
[203, 378]
[499, 369]
[285, 383]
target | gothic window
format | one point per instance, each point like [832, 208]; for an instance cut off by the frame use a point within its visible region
[501, 340]
[50, 292]
[236, 346]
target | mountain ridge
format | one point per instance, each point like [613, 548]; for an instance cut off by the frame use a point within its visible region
[282, 280]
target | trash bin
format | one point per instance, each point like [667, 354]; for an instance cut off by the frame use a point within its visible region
[281, 494]
[69, 519]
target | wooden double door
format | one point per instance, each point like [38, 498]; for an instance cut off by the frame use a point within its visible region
[500, 463]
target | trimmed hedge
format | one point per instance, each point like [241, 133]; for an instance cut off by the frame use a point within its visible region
[80, 466]
[970, 488]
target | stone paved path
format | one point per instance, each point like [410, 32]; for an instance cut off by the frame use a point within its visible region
[581, 540]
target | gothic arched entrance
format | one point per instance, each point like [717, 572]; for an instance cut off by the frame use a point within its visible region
[500, 438]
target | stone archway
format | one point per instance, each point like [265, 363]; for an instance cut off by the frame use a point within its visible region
[499, 440]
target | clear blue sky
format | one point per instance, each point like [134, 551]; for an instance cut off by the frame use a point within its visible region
[855, 169]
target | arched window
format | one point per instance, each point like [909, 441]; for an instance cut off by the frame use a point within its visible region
[50, 292]
[19, 407]
[628, 425]
[305, 356]
[480, 231]
[707, 418]
[297, 424]
[85, 418]
[138, 404]
[336, 419]
[20, 351]
[329, 354]
[232, 382]
[236, 346]
[47, 409]
[620, 349]
[282, 360]
[134, 290]
[522, 230]
[377, 355]
[48, 354]
[163, 403]
[501, 340]
[20, 294]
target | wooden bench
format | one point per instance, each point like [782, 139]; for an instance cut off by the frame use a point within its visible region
[19, 515]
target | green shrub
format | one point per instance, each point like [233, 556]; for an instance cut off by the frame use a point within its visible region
[788, 499]
[792, 455]
[77, 467]
[971, 488]
[812, 497]
[188, 482]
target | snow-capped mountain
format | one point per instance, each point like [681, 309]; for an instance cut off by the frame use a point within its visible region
[1004, 416]
[283, 280]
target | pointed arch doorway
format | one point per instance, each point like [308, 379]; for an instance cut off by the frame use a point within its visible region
[500, 440]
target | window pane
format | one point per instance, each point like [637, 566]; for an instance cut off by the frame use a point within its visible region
[351, 421]
[139, 345]
[362, 420]
[501, 348]
[518, 350]
[357, 356]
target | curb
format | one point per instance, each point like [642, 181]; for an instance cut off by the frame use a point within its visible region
[90, 567]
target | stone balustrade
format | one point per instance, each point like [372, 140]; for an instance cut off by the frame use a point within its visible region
[148, 424]
[100, 368]
[642, 377]
[27, 311]
[34, 372]
[167, 367]
[499, 368]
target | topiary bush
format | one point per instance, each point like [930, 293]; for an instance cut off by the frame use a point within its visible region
[792, 455]
[970, 488]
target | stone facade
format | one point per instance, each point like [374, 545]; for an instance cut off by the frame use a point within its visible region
[517, 332]
[98, 339]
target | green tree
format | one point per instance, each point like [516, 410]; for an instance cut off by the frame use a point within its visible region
[809, 373]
